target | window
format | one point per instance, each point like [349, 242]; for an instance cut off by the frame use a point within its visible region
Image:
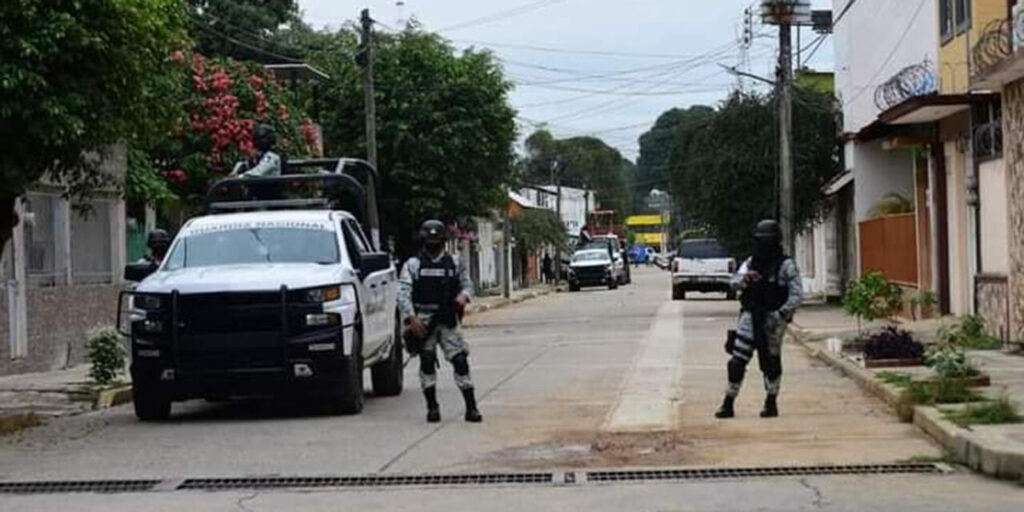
[41, 264]
[702, 249]
[946, 20]
[357, 238]
[255, 245]
[963, 15]
[91, 245]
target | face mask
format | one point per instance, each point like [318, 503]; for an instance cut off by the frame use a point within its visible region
[433, 247]
[765, 249]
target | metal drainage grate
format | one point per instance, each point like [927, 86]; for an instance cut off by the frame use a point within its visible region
[106, 486]
[713, 473]
[216, 484]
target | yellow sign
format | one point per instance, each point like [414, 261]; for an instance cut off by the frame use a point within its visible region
[649, 238]
[643, 220]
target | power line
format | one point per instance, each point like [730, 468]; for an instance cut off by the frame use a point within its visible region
[200, 19]
[254, 48]
[842, 13]
[501, 15]
[579, 52]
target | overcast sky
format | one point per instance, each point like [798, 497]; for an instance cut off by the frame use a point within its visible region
[606, 68]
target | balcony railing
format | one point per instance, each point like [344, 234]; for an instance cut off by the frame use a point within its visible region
[915, 80]
[994, 45]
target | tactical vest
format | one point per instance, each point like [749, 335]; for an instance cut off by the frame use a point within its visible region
[769, 294]
[436, 287]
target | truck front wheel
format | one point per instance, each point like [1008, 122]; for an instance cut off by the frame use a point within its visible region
[150, 405]
[349, 399]
[678, 293]
[388, 375]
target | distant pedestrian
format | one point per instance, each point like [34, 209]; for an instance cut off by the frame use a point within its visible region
[771, 292]
[545, 268]
[158, 242]
[434, 288]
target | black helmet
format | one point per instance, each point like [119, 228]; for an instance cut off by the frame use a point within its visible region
[158, 237]
[263, 136]
[768, 229]
[433, 231]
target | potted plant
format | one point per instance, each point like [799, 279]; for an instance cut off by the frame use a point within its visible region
[871, 298]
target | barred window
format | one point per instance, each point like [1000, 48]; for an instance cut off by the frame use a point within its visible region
[41, 261]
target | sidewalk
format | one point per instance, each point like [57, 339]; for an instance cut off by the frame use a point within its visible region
[997, 450]
[489, 302]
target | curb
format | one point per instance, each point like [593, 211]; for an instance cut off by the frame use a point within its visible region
[985, 450]
[506, 302]
[112, 397]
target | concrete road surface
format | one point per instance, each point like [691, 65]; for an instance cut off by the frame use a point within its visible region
[595, 379]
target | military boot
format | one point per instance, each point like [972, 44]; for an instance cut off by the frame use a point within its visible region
[726, 410]
[771, 407]
[433, 410]
[472, 414]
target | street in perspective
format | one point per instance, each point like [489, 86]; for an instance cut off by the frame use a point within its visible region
[521, 255]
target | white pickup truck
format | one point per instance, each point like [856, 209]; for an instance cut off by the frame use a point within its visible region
[281, 294]
[702, 265]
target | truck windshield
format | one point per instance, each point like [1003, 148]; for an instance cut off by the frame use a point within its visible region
[254, 245]
[590, 256]
[702, 250]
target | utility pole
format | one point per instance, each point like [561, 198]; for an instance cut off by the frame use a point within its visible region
[785, 114]
[366, 61]
[785, 14]
[506, 259]
[558, 212]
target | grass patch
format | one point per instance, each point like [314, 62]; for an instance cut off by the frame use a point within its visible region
[13, 423]
[898, 379]
[942, 391]
[947, 457]
[994, 412]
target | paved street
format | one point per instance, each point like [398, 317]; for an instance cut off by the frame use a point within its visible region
[593, 379]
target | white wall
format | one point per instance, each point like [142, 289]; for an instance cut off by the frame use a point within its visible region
[863, 41]
[992, 194]
[878, 172]
[574, 205]
[485, 246]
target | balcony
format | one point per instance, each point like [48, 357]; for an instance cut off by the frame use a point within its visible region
[997, 59]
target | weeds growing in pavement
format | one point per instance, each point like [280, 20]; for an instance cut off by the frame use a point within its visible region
[941, 391]
[898, 379]
[994, 412]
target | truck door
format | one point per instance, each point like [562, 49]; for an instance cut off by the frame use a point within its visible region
[375, 285]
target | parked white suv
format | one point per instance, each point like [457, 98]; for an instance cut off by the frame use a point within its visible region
[702, 265]
[288, 301]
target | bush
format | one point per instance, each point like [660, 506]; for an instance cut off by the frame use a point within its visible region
[971, 333]
[107, 355]
[893, 343]
[949, 361]
[922, 301]
[872, 297]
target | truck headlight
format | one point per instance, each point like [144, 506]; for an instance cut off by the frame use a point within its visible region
[321, 295]
[147, 302]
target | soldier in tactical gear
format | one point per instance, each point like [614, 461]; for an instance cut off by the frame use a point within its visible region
[434, 289]
[158, 242]
[770, 287]
[267, 163]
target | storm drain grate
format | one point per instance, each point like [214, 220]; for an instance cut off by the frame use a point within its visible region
[105, 486]
[715, 473]
[364, 481]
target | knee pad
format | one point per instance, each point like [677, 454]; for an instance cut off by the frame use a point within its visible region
[428, 363]
[461, 364]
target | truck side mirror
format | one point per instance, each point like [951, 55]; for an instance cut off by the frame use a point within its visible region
[374, 262]
[138, 271]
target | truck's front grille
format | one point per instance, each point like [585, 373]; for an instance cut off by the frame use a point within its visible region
[222, 313]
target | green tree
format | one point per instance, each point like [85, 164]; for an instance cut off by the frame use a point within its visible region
[583, 162]
[724, 169]
[652, 166]
[535, 229]
[445, 129]
[75, 77]
[244, 29]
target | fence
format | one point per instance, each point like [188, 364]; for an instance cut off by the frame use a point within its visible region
[889, 245]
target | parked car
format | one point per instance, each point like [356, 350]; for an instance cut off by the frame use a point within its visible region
[617, 252]
[664, 260]
[702, 265]
[295, 300]
[592, 267]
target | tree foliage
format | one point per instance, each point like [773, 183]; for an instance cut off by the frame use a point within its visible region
[244, 29]
[537, 228]
[654, 162]
[724, 168]
[444, 132]
[74, 78]
[583, 162]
